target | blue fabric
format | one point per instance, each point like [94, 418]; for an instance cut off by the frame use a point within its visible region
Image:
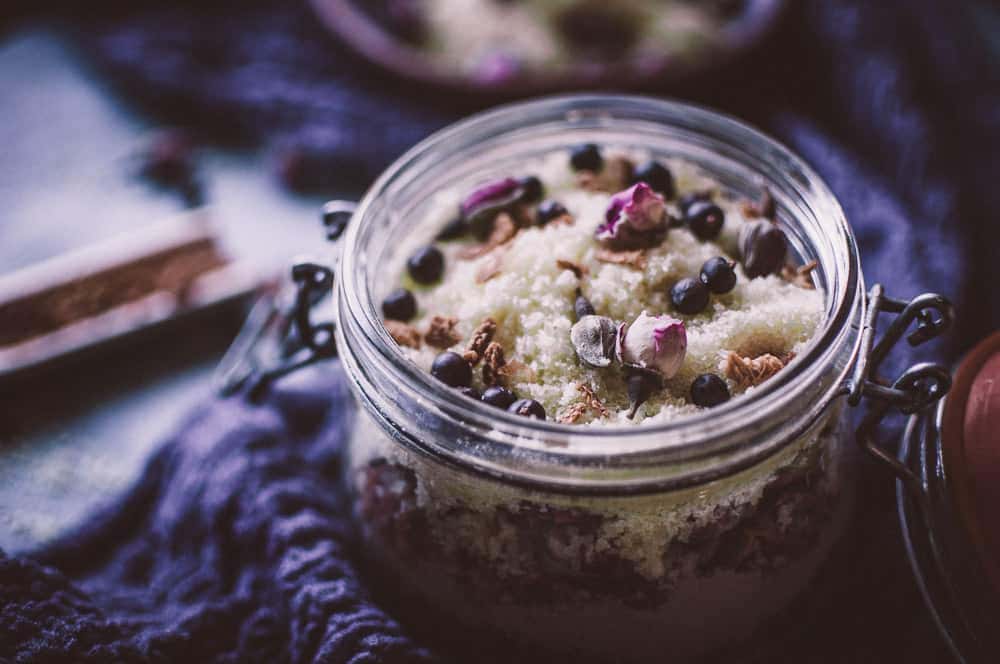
[236, 543]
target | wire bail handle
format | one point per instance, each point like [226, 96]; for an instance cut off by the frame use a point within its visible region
[917, 388]
[281, 323]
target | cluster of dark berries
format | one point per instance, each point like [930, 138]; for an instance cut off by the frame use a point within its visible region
[453, 370]
[691, 296]
[588, 157]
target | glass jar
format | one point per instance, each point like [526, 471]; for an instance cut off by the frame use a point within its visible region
[674, 538]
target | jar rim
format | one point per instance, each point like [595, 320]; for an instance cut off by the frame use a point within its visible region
[685, 437]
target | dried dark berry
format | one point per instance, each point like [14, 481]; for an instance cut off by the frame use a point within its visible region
[426, 265]
[657, 176]
[689, 296]
[705, 219]
[452, 369]
[718, 274]
[549, 210]
[582, 306]
[499, 397]
[399, 305]
[471, 392]
[455, 228]
[763, 246]
[688, 199]
[532, 189]
[586, 157]
[527, 408]
[708, 390]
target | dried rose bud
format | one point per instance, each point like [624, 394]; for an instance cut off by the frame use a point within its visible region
[594, 337]
[638, 207]
[654, 342]
[763, 246]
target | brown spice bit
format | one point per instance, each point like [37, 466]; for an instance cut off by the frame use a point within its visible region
[493, 363]
[800, 276]
[563, 220]
[766, 207]
[403, 334]
[481, 338]
[746, 372]
[588, 181]
[574, 413]
[613, 177]
[634, 259]
[578, 270]
[592, 400]
[504, 230]
[441, 333]
[516, 372]
[492, 266]
[617, 172]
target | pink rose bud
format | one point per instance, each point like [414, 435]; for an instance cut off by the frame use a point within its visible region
[638, 207]
[654, 342]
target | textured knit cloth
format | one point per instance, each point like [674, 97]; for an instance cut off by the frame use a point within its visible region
[236, 545]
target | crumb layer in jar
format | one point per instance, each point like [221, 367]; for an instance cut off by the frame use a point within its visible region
[676, 569]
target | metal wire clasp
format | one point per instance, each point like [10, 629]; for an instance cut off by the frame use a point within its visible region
[280, 336]
[917, 388]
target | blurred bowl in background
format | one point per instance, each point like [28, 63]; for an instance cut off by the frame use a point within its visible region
[509, 48]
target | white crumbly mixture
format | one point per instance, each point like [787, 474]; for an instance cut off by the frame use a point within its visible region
[532, 301]
[466, 33]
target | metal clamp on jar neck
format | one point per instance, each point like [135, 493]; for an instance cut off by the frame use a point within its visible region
[917, 388]
[279, 336]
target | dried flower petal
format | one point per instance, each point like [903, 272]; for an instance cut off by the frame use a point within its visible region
[800, 276]
[481, 338]
[638, 207]
[574, 413]
[504, 230]
[634, 259]
[441, 333]
[747, 372]
[655, 342]
[494, 194]
[403, 334]
[493, 363]
[593, 338]
[591, 400]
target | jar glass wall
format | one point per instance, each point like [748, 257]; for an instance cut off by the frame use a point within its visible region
[645, 539]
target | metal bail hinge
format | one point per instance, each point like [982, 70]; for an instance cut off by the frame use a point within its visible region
[279, 336]
[917, 387]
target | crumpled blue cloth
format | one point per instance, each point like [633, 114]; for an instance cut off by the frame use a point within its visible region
[236, 545]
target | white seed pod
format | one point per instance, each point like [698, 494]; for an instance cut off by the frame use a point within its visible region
[593, 338]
